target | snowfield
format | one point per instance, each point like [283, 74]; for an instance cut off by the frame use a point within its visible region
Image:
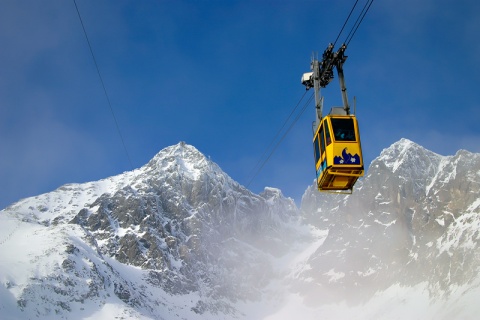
[179, 239]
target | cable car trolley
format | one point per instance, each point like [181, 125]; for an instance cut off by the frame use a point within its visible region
[336, 138]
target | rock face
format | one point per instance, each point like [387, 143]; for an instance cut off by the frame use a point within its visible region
[413, 218]
[179, 239]
[184, 225]
[180, 217]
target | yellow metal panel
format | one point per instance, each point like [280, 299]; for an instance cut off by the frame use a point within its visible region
[340, 182]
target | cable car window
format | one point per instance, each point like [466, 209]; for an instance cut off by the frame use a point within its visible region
[322, 141]
[317, 151]
[327, 133]
[343, 129]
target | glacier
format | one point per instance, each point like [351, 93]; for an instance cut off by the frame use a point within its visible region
[179, 239]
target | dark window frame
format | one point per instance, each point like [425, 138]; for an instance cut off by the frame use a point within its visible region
[327, 133]
[322, 141]
[316, 148]
[343, 129]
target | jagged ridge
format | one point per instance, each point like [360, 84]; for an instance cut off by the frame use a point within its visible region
[179, 239]
[179, 219]
[401, 225]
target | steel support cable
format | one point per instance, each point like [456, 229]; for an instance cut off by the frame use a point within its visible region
[359, 20]
[103, 86]
[281, 139]
[348, 39]
[345, 23]
[276, 135]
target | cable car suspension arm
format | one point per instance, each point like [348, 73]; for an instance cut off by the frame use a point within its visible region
[322, 75]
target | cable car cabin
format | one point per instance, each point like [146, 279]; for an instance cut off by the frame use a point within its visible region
[338, 153]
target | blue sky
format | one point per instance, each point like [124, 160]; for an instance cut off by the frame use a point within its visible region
[222, 76]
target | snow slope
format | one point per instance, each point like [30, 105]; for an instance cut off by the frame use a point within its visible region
[179, 239]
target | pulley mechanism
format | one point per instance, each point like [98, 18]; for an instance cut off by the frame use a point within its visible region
[322, 75]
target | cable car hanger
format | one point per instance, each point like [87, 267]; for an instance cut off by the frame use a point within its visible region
[323, 74]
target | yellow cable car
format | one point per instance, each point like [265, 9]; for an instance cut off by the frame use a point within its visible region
[337, 151]
[336, 138]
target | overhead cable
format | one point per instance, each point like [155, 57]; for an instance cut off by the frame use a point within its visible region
[283, 136]
[345, 23]
[104, 88]
[262, 158]
[359, 20]
[274, 143]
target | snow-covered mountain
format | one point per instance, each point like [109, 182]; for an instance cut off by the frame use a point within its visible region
[179, 239]
[175, 238]
[413, 220]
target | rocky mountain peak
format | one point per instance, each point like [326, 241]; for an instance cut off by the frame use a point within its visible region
[405, 155]
[182, 158]
[179, 221]
[272, 193]
[403, 215]
[178, 238]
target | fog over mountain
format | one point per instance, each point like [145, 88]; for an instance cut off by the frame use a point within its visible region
[413, 219]
[179, 239]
